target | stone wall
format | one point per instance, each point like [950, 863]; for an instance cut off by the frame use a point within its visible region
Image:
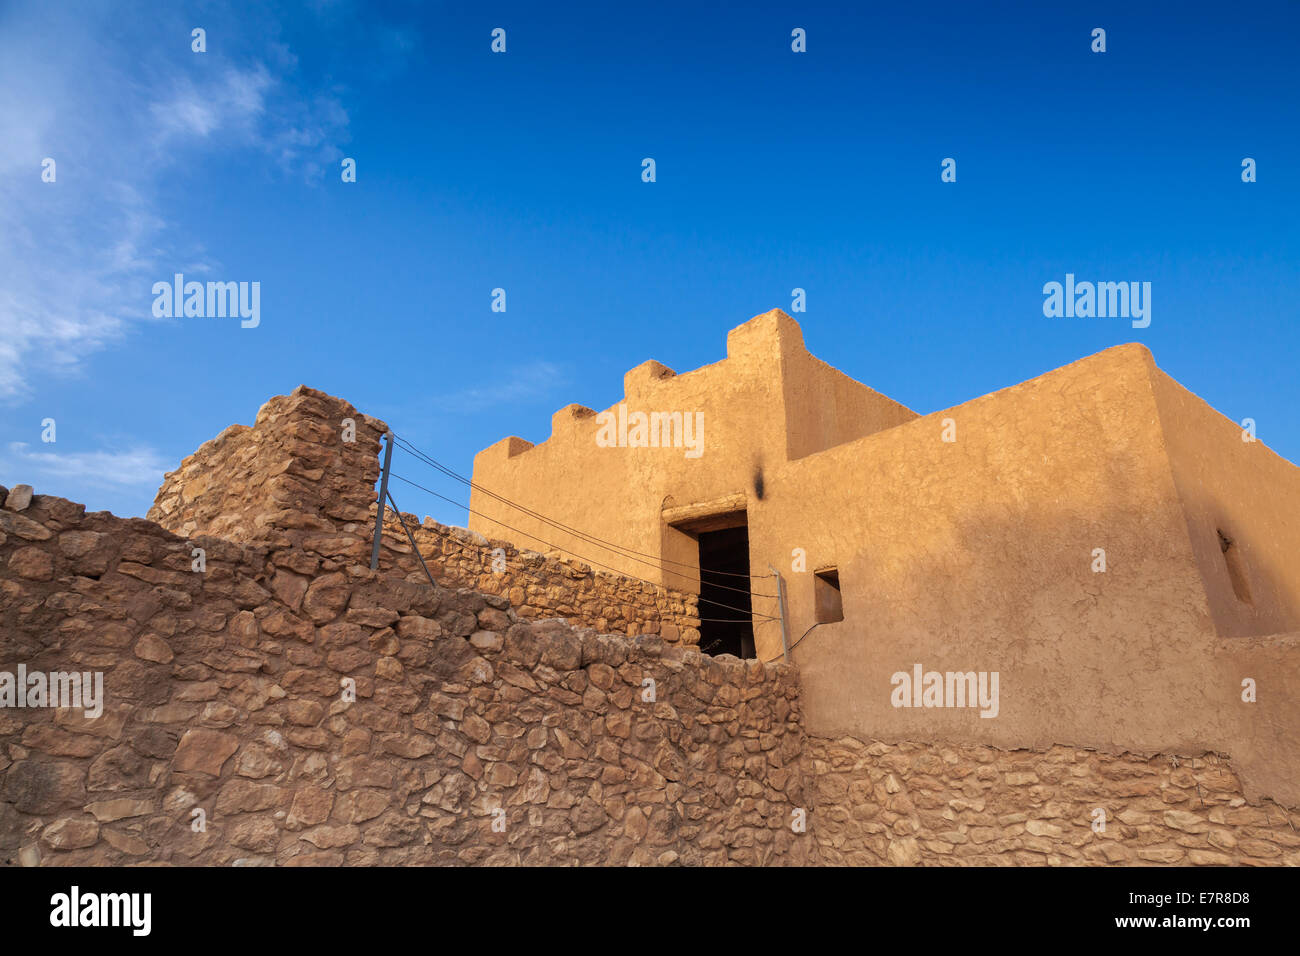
[294, 481]
[292, 478]
[920, 804]
[223, 694]
[539, 585]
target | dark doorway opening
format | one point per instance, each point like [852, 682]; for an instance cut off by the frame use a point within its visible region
[726, 622]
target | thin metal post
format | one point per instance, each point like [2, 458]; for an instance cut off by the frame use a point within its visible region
[780, 607]
[411, 538]
[383, 500]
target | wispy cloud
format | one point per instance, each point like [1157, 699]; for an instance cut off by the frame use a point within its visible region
[139, 467]
[514, 384]
[189, 110]
[122, 105]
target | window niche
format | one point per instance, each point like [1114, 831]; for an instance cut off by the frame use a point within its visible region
[826, 595]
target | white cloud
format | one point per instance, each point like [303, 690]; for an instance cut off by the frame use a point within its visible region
[139, 467]
[233, 102]
[101, 93]
[514, 384]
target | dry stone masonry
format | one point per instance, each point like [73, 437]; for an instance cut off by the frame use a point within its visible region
[292, 481]
[916, 804]
[539, 585]
[475, 736]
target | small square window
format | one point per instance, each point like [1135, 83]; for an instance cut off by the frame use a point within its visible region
[826, 594]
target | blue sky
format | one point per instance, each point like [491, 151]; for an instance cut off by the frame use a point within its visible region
[522, 170]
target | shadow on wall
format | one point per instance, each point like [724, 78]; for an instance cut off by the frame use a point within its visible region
[1124, 659]
[1248, 595]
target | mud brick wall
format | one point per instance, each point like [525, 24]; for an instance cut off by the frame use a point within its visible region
[291, 481]
[918, 804]
[224, 694]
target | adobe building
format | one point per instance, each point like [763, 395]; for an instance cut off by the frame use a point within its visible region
[1098, 538]
[328, 703]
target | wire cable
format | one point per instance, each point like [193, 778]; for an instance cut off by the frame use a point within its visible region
[621, 550]
[596, 541]
[729, 607]
[536, 577]
[796, 643]
[589, 538]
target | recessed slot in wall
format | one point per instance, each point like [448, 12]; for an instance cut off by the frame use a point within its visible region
[1236, 568]
[826, 594]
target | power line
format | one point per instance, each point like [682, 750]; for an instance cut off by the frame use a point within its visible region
[591, 539]
[730, 607]
[582, 535]
[534, 576]
[537, 577]
[621, 550]
[798, 642]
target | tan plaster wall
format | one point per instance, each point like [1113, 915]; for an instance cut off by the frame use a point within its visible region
[974, 555]
[1265, 746]
[977, 554]
[1250, 493]
[766, 388]
[824, 407]
[1253, 496]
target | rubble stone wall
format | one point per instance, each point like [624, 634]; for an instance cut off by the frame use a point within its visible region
[302, 479]
[474, 736]
[539, 585]
[478, 737]
[921, 804]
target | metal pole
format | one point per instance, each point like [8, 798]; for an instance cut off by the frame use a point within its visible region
[780, 607]
[411, 538]
[383, 500]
